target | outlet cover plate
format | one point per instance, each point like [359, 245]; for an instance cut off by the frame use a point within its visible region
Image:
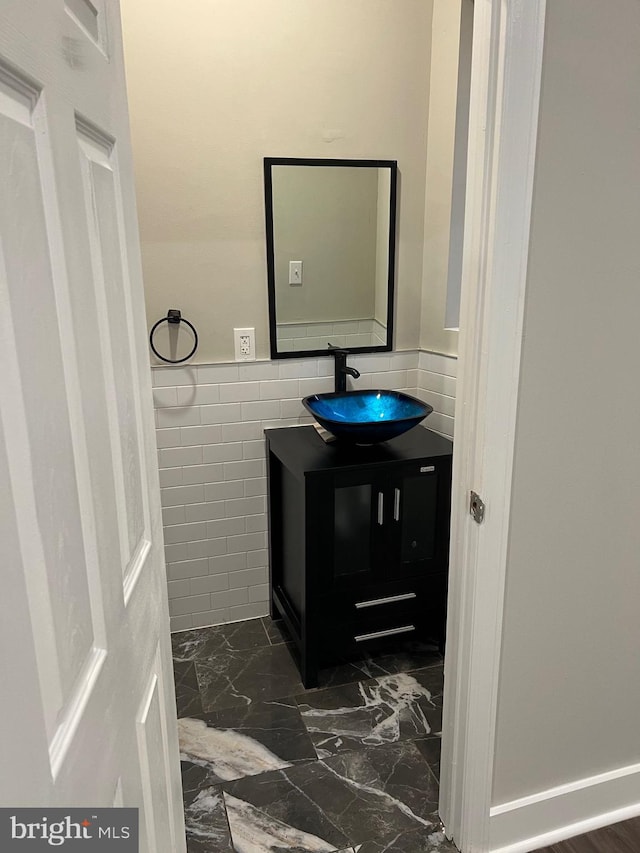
[244, 341]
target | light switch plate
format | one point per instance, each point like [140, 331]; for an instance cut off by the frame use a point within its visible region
[295, 272]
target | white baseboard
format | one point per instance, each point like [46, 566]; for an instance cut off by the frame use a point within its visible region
[550, 816]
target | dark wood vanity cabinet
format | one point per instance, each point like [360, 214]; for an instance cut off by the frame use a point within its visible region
[358, 541]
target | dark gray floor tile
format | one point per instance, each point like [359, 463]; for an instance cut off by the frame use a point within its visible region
[203, 643]
[430, 750]
[204, 845]
[372, 713]
[238, 678]
[187, 690]
[204, 813]
[409, 657]
[247, 740]
[276, 630]
[397, 793]
[415, 841]
[353, 798]
[277, 812]
[433, 678]
[361, 798]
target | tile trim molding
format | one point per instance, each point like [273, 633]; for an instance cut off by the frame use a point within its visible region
[553, 815]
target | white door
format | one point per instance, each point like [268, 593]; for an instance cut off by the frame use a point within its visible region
[86, 697]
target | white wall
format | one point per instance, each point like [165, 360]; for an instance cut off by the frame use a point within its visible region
[216, 86]
[569, 698]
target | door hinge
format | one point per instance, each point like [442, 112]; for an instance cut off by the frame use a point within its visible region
[476, 507]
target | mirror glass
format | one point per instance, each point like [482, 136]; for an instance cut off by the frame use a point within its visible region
[330, 254]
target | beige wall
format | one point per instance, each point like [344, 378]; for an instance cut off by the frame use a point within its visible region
[214, 87]
[569, 697]
[439, 176]
[325, 217]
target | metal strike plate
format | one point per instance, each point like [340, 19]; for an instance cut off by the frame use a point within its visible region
[476, 507]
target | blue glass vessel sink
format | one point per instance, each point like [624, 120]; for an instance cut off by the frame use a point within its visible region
[367, 417]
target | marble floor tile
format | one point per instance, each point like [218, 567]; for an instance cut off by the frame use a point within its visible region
[366, 796]
[433, 678]
[372, 713]
[203, 643]
[252, 780]
[245, 741]
[276, 630]
[416, 841]
[410, 656]
[397, 793]
[204, 814]
[236, 678]
[255, 831]
[187, 690]
[430, 749]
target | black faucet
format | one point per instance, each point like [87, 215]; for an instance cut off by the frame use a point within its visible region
[341, 368]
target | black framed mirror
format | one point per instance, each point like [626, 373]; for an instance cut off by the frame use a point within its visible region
[330, 254]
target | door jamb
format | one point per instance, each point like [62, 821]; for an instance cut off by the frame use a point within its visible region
[505, 92]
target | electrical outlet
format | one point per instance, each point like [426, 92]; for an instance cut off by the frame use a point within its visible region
[245, 344]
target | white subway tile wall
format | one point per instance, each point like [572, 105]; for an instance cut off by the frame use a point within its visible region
[436, 385]
[210, 421]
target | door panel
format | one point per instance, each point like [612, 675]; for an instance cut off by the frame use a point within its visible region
[46, 441]
[151, 732]
[89, 15]
[104, 228]
[84, 639]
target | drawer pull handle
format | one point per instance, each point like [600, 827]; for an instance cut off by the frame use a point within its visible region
[396, 505]
[405, 629]
[380, 508]
[373, 602]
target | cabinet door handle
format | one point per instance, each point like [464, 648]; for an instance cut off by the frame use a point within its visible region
[362, 638]
[391, 599]
[380, 508]
[396, 505]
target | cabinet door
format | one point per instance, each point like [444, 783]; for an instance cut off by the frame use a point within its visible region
[348, 530]
[374, 525]
[420, 523]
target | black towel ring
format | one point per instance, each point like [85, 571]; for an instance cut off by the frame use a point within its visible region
[173, 316]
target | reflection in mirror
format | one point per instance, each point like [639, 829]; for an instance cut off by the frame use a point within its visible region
[330, 254]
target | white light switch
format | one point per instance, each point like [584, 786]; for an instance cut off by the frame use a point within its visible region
[295, 272]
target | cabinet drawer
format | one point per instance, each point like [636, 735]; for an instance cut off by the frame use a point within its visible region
[375, 632]
[381, 601]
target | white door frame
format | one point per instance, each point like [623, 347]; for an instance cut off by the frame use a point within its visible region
[505, 91]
